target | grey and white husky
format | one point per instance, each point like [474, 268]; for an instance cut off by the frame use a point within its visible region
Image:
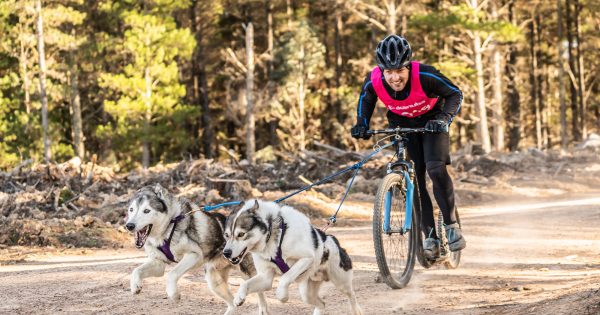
[165, 226]
[282, 241]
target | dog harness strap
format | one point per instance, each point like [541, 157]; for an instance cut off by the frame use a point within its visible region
[278, 260]
[165, 248]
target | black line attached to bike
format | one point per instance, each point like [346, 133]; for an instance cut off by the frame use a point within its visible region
[356, 167]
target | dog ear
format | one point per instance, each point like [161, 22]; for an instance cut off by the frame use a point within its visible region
[254, 207]
[159, 191]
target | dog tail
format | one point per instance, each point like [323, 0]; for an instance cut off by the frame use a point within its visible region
[345, 261]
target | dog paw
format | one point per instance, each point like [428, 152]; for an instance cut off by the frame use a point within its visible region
[230, 310]
[282, 294]
[175, 297]
[263, 311]
[136, 288]
[173, 294]
[239, 300]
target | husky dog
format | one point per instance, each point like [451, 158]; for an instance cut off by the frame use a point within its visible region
[282, 241]
[168, 232]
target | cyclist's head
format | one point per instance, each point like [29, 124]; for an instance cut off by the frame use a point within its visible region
[393, 52]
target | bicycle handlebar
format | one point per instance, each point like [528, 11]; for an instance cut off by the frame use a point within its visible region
[397, 130]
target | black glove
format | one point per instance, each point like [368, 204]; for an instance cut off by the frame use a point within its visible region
[360, 132]
[437, 125]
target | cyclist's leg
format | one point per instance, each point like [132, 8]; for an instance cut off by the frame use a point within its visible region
[415, 153]
[436, 149]
[431, 243]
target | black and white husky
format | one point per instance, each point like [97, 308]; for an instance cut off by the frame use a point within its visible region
[168, 230]
[282, 241]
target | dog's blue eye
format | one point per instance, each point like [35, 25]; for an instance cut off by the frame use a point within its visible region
[147, 211]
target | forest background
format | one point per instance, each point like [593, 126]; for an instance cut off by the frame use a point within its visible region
[133, 83]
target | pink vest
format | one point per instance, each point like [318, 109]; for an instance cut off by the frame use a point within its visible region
[416, 104]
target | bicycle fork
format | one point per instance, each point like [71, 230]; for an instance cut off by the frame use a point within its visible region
[408, 192]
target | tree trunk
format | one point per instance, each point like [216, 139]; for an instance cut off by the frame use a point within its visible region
[339, 28]
[482, 125]
[404, 19]
[76, 122]
[289, 13]
[546, 108]
[250, 145]
[541, 102]
[301, 99]
[561, 81]
[580, 68]
[574, 111]
[23, 59]
[200, 78]
[273, 123]
[498, 103]
[391, 11]
[147, 120]
[497, 87]
[514, 99]
[43, 97]
[24, 74]
[533, 80]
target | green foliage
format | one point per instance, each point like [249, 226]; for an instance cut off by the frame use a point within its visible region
[141, 75]
[300, 60]
[147, 89]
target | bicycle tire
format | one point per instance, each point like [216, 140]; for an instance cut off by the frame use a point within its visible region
[396, 273]
[454, 260]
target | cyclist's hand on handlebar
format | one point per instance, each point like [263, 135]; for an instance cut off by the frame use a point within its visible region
[360, 132]
[437, 125]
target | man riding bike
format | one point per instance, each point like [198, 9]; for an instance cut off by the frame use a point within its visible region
[417, 95]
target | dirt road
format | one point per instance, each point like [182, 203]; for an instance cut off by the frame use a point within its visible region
[520, 259]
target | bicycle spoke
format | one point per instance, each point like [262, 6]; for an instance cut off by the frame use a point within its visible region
[393, 248]
[396, 245]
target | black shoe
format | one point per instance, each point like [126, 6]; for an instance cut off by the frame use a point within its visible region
[456, 241]
[431, 248]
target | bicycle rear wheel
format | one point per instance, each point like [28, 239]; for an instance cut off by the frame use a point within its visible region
[394, 250]
[420, 235]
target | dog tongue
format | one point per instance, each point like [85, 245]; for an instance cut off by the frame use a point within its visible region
[139, 241]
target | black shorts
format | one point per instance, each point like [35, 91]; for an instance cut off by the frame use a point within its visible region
[429, 147]
[423, 147]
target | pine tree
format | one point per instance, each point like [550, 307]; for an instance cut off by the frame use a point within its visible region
[148, 87]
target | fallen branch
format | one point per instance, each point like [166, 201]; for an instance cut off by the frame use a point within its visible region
[559, 168]
[304, 179]
[18, 168]
[90, 174]
[334, 149]
[317, 156]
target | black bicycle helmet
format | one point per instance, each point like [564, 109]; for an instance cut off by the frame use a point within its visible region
[393, 52]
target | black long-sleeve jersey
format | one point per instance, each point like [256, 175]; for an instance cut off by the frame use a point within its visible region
[434, 84]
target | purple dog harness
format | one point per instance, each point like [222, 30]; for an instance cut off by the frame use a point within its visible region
[278, 260]
[166, 246]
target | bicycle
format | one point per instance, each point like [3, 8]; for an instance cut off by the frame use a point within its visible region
[397, 231]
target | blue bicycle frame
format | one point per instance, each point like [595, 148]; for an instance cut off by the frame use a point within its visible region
[409, 190]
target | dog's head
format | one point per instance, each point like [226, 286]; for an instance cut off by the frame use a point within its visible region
[244, 230]
[147, 208]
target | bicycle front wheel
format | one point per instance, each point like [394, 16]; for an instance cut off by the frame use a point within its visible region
[394, 248]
